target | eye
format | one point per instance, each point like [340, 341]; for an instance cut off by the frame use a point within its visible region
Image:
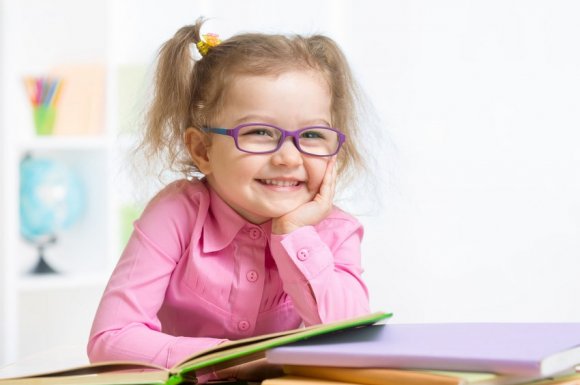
[262, 132]
[313, 134]
[258, 131]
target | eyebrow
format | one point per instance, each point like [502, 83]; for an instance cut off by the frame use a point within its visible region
[250, 119]
[265, 119]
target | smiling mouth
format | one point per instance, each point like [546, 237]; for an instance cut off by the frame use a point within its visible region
[280, 183]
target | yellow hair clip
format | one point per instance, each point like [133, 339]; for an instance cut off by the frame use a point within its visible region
[209, 41]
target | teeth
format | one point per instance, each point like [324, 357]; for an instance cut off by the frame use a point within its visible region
[281, 183]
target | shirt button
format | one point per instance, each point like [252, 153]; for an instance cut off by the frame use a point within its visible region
[255, 233]
[252, 275]
[243, 325]
[303, 254]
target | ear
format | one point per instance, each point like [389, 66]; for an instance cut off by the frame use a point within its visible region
[197, 144]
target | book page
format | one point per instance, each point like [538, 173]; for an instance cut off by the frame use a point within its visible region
[67, 360]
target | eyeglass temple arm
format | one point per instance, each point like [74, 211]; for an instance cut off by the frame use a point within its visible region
[220, 131]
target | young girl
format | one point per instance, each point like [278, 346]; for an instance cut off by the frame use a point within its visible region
[253, 245]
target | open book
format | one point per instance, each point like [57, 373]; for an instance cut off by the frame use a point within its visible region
[220, 357]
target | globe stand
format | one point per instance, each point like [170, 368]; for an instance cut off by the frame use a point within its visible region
[42, 267]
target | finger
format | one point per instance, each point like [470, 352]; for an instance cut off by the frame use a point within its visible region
[332, 178]
[326, 180]
[326, 191]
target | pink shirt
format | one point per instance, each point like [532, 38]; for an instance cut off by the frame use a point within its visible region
[195, 273]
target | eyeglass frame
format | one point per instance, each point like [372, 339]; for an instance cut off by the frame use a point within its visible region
[233, 132]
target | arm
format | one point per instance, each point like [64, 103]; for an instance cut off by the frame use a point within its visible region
[126, 326]
[317, 251]
[321, 270]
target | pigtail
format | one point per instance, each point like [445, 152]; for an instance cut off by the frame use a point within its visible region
[329, 58]
[169, 113]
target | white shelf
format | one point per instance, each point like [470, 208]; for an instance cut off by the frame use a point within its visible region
[77, 34]
[31, 283]
[65, 142]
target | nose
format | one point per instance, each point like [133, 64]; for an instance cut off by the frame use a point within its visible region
[288, 154]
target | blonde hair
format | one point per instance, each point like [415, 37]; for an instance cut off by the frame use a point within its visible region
[189, 92]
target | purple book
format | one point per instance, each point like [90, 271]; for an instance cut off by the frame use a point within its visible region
[534, 349]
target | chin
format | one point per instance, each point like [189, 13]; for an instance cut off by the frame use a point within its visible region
[276, 208]
[282, 209]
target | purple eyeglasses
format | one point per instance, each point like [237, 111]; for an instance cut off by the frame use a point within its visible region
[263, 138]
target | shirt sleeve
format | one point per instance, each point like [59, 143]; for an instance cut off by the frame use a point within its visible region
[320, 268]
[126, 325]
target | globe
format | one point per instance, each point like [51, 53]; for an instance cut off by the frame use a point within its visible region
[52, 199]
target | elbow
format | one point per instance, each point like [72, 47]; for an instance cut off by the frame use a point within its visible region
[96, 349]
[92, 352]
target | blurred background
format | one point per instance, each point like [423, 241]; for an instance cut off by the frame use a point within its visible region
[472, 125]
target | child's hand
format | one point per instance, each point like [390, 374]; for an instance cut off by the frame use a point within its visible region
[311, 212]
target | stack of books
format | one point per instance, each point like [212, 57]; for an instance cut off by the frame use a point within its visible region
[358, 351]
[437, 354]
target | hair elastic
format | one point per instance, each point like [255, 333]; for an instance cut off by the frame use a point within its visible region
[209, 40]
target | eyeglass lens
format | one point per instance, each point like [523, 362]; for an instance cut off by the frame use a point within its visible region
[315, 140]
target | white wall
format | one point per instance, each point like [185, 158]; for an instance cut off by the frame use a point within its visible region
[481, 101]
[477, 105]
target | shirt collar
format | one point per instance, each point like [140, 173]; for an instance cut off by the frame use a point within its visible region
[223, 223]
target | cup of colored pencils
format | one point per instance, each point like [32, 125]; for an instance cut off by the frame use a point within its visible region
[43, 93]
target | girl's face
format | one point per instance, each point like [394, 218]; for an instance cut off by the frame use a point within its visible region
[264, 186]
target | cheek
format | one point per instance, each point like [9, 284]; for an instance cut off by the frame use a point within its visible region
[230, 164]
[221, 156]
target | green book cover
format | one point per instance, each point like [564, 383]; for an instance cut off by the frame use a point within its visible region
[220, 357]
